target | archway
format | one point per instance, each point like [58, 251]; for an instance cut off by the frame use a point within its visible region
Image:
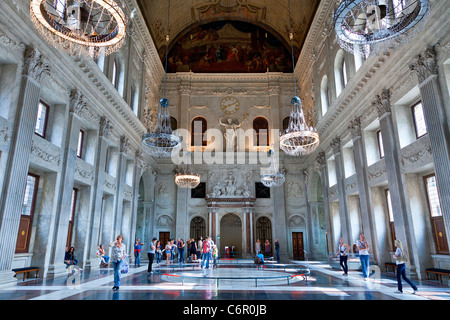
[264, 232]
[198, 228]
[231, 233]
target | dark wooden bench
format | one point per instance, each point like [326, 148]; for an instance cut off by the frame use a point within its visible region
[26, 271]
[437, 272]
[391, 265]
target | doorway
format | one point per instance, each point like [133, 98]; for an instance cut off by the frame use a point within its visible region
[163, 238]
[297, 246]
[231, 235]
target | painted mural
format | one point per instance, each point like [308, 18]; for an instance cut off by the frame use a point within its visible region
[229, 47]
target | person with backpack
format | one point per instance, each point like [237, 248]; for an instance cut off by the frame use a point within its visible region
[400, 259]
[259, 260]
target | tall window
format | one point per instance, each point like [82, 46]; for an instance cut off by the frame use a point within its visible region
[391, 217]
[199, 128]
[380, 144]
[26, 219]
[344, 73]
[115, 74]
[40, 127]
[286, 123]
[324, 95]
[80, 144]
[73, 202]
[261, 127]
[434, 206]
[419, 120]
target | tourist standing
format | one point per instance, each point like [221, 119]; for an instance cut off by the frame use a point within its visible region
[137, 253]
[199, 248]
[277, 250]
[181, 247]
[151, 254]
[258, 246]
[158, 252]
[364, 257]
[193, 250]
[118, 254]
[168, 250]
[267, 249]
[400, 259]
[206, 248]
[343, 255]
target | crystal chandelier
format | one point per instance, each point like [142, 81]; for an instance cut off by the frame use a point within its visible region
[185, 178]
[272, 176]
[298, 139]
[81, 27]
[363, 26]
[161, 143]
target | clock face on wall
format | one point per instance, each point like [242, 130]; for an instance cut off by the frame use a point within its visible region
[229, 105]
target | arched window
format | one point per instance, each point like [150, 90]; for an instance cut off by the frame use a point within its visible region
[339, 77]
[264, 232]
[118, 74]
[324, 95]
[173, 123]
[344, 73]
[198, 228]
[198, 130]
[261, 127]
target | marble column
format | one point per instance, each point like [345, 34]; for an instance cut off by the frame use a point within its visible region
[395, 181]
[279, 221]
[181, 218]
[437, 125]
[365, 198]
[57, 266]
[322, 161]
[309, 219]
[344, 215]
[274, 100]
[120, 178]
[96, 213]
[17, 164]
[139, 164]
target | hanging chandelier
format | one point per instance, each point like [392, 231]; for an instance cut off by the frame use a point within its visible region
[272, 176]
[186, 178]
[81, 27]
[298, 139]
[363, 26]
[161, 143]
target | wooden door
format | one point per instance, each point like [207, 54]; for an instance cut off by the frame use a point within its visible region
[163, 238]
[297, 246]
[440, 235]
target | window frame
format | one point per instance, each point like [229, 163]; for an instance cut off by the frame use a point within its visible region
[80, 145]
[47, 115]
[257, 134]
[434, 219]
[414, 120]
[381, 152]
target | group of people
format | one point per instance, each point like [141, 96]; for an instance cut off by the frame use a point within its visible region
[267, 249]
[364, 256]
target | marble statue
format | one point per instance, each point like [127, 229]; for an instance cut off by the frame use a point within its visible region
[231, 125]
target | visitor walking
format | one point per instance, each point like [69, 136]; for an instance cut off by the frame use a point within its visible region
[400, 259]
[343, 255]
[118, 255]
[151, 255]
[137, 252]
[364, 257]
[168, 250]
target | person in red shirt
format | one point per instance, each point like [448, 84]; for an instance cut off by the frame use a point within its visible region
[206, 248]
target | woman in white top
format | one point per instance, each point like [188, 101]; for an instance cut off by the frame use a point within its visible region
[400, 259]
[364, 257]
[343, 255]
[118, 254]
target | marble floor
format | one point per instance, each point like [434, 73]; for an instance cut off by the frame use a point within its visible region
[323, 283]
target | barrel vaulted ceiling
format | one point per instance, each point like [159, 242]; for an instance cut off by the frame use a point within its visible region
[270, 15]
